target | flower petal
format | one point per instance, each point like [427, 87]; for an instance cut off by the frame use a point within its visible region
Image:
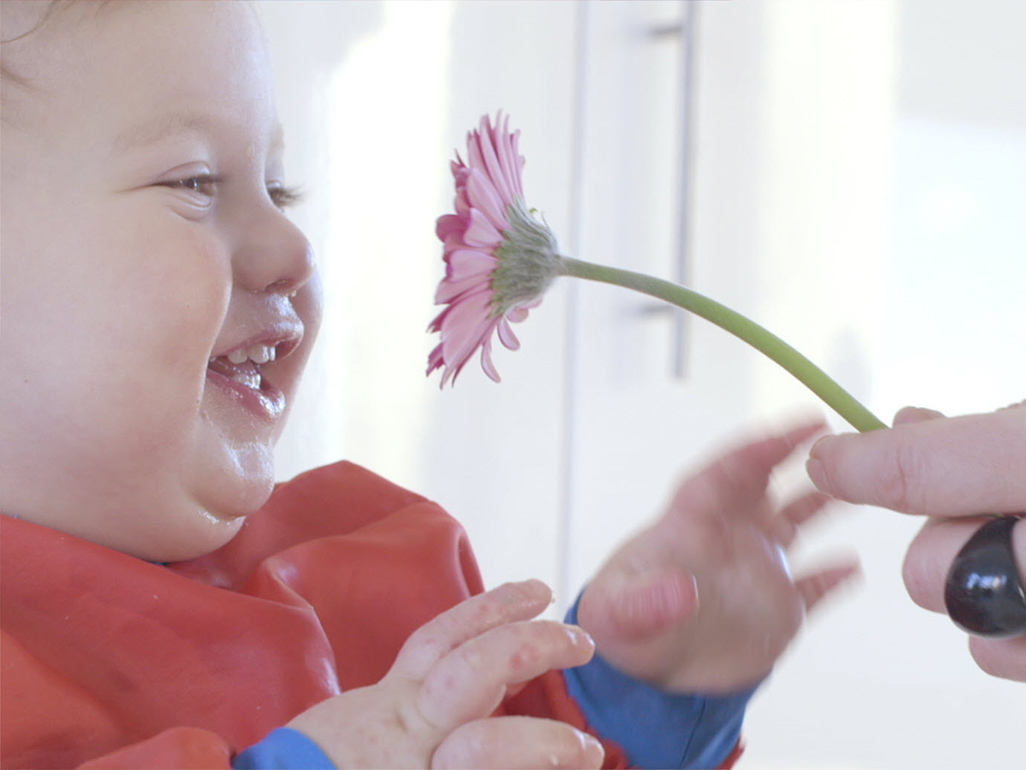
[449, 224]
[517, 314]
[486, 361]
[506, 335]
[466, 326]
[452, 291]
[467, 262]
[513, 159]
[509, 161]
[435, 358]
[490, 145]
[480, 231]
[484, 197]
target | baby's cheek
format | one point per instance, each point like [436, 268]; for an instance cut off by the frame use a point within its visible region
[194, 290]
[167, 307]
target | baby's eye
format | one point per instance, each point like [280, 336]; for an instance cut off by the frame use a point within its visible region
[202, 184]
[283, 197]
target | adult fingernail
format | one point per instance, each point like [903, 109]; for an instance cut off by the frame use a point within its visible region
[815, 467]
[913, 414]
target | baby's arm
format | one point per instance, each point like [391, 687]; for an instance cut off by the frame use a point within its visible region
[702, 602]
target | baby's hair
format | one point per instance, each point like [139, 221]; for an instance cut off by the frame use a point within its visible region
[53, 8]
[7, 75]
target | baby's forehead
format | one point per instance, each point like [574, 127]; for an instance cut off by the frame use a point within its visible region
[100, 52]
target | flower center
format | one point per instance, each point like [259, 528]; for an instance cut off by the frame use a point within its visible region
[528, 261]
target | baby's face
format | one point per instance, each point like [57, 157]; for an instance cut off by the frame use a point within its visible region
[148, 276]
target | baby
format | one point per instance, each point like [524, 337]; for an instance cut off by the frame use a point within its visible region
[163, 604]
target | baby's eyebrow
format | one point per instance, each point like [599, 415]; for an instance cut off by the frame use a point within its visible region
[160, 127]
[166, 125]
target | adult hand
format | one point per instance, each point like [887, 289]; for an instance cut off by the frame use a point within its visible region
[703, 600]
[433, 707]
[951, 470]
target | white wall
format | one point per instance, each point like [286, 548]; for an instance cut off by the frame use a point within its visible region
[858, 172]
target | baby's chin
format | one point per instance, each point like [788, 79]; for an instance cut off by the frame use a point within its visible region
[201, 525]
[200, 508]
[189, 540]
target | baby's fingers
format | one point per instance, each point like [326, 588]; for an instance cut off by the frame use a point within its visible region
[470, 681]
[817, 586]
[518, 742]
[738, 480]
[508, 603]
[784, 527]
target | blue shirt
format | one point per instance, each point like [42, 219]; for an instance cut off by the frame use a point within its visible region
[654, 727]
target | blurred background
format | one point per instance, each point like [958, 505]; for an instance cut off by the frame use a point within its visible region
[849, 173]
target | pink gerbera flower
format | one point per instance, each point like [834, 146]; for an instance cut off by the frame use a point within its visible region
[499, 259]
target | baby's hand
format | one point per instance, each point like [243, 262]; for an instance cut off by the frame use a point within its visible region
[433, 707]
[703, 600]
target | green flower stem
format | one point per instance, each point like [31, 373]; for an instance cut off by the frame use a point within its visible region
[814, 378]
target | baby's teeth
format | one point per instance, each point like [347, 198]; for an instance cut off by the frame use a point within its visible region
[260, 354]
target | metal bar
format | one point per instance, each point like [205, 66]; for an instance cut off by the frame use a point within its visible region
[682, 267]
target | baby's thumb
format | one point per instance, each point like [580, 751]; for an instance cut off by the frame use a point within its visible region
[630, 607]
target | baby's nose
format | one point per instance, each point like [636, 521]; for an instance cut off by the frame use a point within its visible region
[275, 256]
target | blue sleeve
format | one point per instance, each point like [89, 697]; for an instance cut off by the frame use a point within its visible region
[654, 727]
[283, 749]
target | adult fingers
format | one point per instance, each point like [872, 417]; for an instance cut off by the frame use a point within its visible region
[508, 603]
[1005, 658]
[933, 550]
[739, 478]
[955, 466]
[926, 567]
[517, 742]
[470, 681]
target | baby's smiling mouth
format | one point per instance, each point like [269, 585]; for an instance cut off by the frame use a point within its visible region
[242, 365]
[240, 373]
